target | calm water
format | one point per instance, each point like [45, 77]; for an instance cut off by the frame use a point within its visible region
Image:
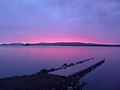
[28, 60]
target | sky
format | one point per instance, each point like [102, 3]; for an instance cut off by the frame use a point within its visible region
[94, 21]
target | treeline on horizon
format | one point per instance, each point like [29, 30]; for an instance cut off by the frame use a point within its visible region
[61, 44]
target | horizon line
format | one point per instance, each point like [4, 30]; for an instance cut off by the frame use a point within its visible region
[59, 42]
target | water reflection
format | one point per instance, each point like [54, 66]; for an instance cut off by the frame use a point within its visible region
[28, 60]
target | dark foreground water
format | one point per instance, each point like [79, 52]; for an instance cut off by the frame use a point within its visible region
[28, 60]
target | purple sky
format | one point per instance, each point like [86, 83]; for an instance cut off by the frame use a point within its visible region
[95, 21]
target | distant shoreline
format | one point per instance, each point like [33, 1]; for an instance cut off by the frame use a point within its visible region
[62, 44]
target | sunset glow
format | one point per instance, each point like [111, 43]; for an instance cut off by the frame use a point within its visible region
[31, 21]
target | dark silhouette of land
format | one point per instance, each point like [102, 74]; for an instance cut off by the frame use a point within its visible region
[62, 44]
[47, 81]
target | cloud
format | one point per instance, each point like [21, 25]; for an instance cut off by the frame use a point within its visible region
[76, 17]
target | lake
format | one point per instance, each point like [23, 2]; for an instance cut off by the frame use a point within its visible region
[26, 60]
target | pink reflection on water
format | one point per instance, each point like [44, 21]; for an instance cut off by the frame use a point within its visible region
[22, 60]
[29, 60]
